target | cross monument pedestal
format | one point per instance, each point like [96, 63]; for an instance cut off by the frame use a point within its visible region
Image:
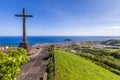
[25, 45]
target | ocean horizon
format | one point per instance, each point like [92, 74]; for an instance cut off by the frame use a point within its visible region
[15, 40]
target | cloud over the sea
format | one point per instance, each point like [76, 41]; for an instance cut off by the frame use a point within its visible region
[113, 27]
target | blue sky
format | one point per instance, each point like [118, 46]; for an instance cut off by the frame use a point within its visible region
[61, 17]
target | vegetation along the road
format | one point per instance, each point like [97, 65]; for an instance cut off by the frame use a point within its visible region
[10, 63]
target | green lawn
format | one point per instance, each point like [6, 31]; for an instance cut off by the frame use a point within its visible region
[112, 50]
[73, 67]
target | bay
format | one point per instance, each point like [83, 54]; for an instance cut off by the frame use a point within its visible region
[15, 40]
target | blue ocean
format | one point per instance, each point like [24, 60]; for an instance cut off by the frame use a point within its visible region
[15, 40]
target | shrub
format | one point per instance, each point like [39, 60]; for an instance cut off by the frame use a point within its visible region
[10, 63]
[51, 65]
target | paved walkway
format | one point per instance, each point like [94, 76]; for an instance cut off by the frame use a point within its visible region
[36, 67]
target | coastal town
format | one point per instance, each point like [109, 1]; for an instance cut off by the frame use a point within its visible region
[74, 46]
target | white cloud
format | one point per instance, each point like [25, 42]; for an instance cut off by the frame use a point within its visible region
[113, 27]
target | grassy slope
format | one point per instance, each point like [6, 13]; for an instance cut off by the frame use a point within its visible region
[73, 67]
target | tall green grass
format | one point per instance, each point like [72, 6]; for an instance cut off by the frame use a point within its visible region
[51, 65]
[73, 67]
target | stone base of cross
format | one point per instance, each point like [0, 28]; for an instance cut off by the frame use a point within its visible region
[25, 45]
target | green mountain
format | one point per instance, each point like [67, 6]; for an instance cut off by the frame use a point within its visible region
[74, 67]
[112, 42]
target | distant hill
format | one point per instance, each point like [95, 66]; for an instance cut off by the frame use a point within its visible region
[112, 42]
[74, 67]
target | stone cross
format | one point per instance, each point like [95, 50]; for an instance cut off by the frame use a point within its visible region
[24, 44]
[24, 22]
